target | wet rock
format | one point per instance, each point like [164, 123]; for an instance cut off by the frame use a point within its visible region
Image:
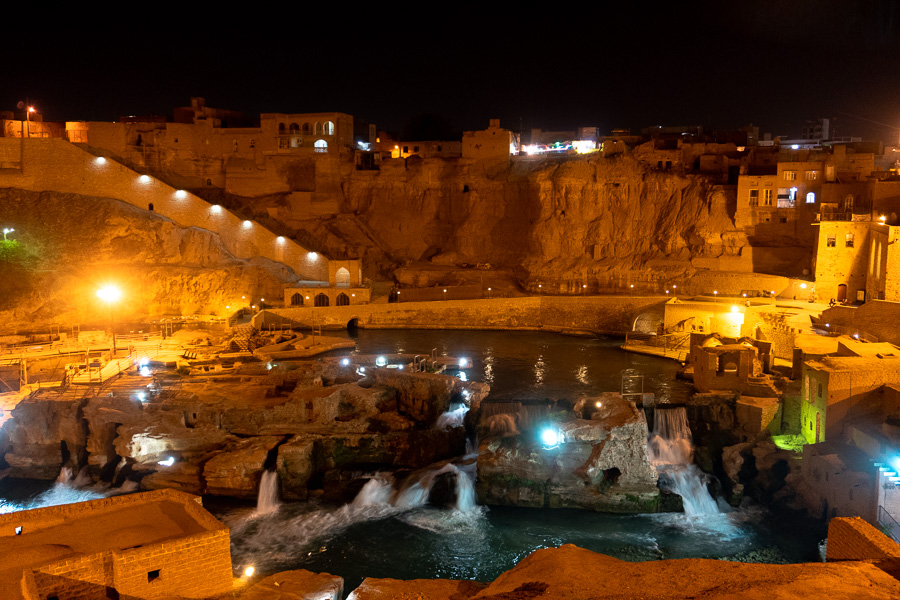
[296, 464]
[42, 435]
[236, 472]
[599, 464]
[420, 396]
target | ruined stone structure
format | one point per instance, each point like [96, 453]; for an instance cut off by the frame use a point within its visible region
[149, 545]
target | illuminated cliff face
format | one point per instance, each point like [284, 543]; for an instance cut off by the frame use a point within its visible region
[556, 221]
[71, 246]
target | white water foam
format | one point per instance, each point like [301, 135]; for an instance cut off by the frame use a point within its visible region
[267, 500]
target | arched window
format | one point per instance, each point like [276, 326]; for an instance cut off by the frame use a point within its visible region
[848, 203]
[297, 300]
[321, 146]
[328, 129]
[294, 128]
[318, 128]
[811, 198]
[819, 392]
[321, 300]
[342, 277]
[342, 300]
[305, 129]
[281, 128]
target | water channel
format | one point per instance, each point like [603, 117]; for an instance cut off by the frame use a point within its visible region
[375, 539]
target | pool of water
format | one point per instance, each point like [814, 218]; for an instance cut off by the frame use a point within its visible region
[425, 542]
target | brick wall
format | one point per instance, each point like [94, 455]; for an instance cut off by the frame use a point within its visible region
[851, 538]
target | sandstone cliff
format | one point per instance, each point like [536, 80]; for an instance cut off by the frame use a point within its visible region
[71, 245]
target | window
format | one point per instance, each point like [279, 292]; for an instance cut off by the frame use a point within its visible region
[294, 128]
[252, 143]
[305, 129]
[317, 128]
[284, 142]
[790, 175]
[321, 300]
[296, 300]
[786, 197]
[848, 240]
[811, 197]
[321, 146]
[415, 149]
[328, 128]
[152, 575]
[812, 175]
[754, 197]
[848, 203]
[281, 128]
[819, 394]
[342, 300]
[784, 219]
[405, 149]
[831, 241]
[767, 197]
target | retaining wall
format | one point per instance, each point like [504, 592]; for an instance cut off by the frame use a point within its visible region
[56, 165]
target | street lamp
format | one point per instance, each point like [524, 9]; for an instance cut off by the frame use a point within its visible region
[7, 230]
[110, 294]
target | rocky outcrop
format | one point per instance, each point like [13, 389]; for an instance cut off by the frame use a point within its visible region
[573, 573]
[295, 585]
[600, 463]
[44, 434]
[217, 436]
[237, 472]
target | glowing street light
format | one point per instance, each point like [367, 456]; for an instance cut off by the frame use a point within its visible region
[7, 230]
[110, 294]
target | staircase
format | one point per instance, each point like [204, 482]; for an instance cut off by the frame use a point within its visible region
[241, 340]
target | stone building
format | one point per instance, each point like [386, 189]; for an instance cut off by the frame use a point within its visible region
[490, 144]
[845, 387]
[159, 544]
[344, 287]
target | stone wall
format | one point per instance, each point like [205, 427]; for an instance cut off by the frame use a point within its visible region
[604, 314]
[877, 318]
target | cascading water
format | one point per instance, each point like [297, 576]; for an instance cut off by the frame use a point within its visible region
[672, 453]
[452, 418]
[267, 501]
[66, 474]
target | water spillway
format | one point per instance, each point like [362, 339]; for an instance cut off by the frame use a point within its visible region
[267, 500]
[672, 453]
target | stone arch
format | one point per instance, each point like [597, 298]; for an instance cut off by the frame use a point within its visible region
[297, 299]
[342, 300]
[328, 128]
[353, 324]
[342, 277]
[321, 300]
[317, 128]
[646, 323]
[281, 128]
[321, 146]
[294, 128]
[305, 129]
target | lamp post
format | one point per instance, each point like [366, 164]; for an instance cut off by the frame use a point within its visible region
[7, 230]
[110, 294]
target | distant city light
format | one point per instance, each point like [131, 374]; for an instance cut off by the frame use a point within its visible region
[795, 146]
[381, 361]
[345, 362]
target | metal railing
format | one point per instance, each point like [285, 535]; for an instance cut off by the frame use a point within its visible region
[889, 525]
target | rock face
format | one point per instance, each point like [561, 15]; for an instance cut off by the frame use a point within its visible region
[217, 437]
[573, 573]
[601, 463]
[296, 585]
[70, 242]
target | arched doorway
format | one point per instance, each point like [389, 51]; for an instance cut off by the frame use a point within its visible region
[297, 299]
[842, 293]
[646, 323]
[321, 300]
[342, 300]
[342, 277]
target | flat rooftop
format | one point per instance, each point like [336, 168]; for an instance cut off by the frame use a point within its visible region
[56, 533]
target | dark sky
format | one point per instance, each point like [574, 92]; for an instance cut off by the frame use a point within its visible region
[774, 63]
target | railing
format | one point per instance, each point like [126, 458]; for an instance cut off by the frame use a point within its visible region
[888, 524]
[675, 345]
[828, 215]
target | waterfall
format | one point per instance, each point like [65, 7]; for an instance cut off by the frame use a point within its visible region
[672, 453]
[376, 492]
[452, 418]
[465, 490]
[66, 474]
[267, 501]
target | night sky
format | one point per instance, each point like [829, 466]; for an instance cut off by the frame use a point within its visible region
[774, 63]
